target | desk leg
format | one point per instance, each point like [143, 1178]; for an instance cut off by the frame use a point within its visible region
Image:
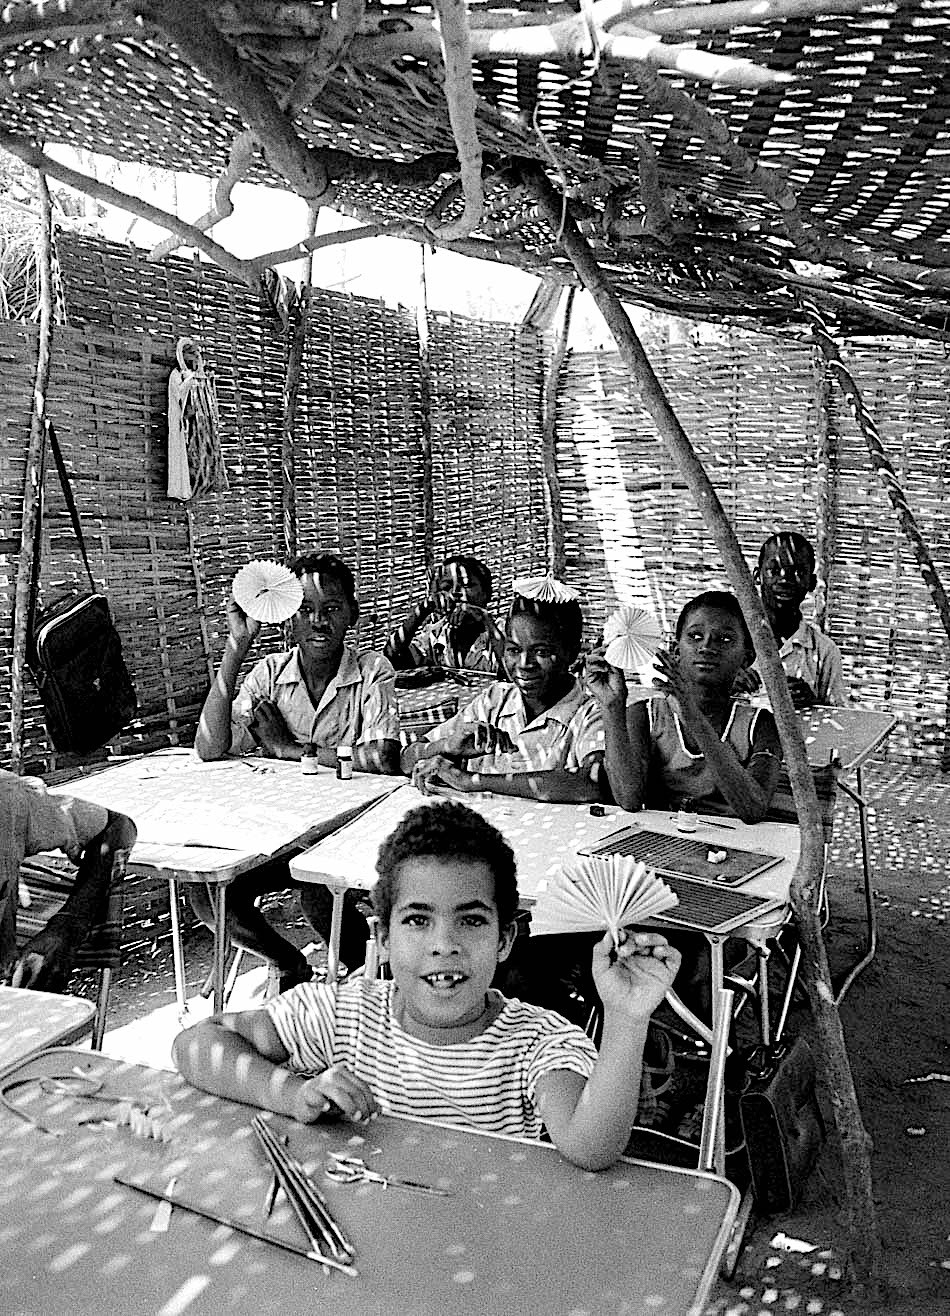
[336, 929]
[870, 949]
[712, 1143]
[178, 956]
[220, 944]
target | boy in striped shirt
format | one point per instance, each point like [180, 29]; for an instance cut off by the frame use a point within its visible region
[437, 1041]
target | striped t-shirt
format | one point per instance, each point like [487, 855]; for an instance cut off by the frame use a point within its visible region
[489, 1082]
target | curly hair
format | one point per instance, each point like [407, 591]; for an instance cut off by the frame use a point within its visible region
[327, 566]
[564, 618]
[447, 831]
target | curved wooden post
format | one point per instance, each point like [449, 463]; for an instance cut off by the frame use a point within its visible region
[865, 1260]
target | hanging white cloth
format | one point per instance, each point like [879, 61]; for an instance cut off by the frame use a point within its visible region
[195, 463]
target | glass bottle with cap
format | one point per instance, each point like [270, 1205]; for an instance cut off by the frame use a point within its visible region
[344, 762]
[309, 761]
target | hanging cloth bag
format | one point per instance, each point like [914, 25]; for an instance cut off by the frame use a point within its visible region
[73, 648]
[195, 463]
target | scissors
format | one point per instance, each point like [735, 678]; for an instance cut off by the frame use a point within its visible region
[352, 1169]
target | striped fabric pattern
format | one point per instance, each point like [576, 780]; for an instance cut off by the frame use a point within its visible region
[48, 879]
[489, 1083]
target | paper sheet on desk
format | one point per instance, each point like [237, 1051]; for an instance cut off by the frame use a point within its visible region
[225, 828]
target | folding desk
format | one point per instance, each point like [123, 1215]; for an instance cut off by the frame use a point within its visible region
[30, 1021]
[520, 1231]
[846, 738]
[210, 822]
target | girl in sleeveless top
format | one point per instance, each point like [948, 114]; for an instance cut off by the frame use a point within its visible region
[691, 742]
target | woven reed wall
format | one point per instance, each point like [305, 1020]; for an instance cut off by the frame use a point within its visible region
[359, 479]
[751, 408]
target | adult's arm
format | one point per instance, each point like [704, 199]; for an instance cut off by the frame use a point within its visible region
[399, 649]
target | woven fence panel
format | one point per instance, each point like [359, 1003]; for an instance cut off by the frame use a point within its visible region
[485, 407]
[107, 400]
[358, 452]
[751, 407]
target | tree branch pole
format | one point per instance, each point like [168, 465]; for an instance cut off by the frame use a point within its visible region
[865, 1247]
[32, 485]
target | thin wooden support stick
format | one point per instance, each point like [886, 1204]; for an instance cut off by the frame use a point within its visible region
[553, 505]
[865, 1259]
[32, 487]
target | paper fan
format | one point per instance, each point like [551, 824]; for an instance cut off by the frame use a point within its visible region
[632, 637]
[267, 591]
[600, 893]
[544, 588]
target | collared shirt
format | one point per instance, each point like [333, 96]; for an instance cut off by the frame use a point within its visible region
[489, 1082]
[812, 657]
[358, 706]
[678, 774]
[32, 822]
[567, 735]
[436, 647]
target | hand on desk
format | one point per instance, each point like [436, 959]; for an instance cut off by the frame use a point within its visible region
[269, 729]
[634, 979]
[336, 1086]
[435, 775]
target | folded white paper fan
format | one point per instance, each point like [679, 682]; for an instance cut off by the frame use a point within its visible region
[267, 591]
[599, 893]
[544, 588]
[632, 637]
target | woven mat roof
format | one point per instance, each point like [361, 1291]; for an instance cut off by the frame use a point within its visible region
[722, 159]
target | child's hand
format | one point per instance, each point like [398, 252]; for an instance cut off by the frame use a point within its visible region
[436, 775]
[269, 729]
[335, 1087]
[243, 629]
[673, 682]
[747, 682]
[606, 683]
[634, 979]
[473, 739]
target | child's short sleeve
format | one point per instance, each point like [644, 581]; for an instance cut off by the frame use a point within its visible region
[586, 735]
[257, 685]
[560, 1045]
[304, 1020]
[379, 711]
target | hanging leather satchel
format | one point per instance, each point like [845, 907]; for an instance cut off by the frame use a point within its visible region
[74, 650]
[783, 1126]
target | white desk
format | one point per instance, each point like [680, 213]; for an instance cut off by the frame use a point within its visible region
[209, 822]
[546, 837]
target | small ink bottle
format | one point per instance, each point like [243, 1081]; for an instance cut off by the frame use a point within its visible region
[344, 762]
[686, 820]
[309, 762]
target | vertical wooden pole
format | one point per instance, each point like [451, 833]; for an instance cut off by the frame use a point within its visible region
[288, 454]
[425, 416]
[826, 450]
[34, 472]
[552, 489]
[865, 1259]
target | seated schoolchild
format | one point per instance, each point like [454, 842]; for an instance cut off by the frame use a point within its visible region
[692, 744]
[538, 735]
[437, 1041]
[451, 626]
[322, 693]
[692, 741]
[812, 661]
[34, 822]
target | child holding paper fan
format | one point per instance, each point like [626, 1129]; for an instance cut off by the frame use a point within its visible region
[539, 735]
[451, 626]
[437, 1041]
[692, 741]
[321, 692]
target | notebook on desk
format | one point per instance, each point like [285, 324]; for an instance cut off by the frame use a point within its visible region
[681, 856]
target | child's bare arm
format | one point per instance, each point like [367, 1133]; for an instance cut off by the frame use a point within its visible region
[213, 737]
[241, 1057]
[553, 785]
[590, 1122]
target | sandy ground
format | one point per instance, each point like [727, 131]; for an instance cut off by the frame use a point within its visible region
[896, 1024]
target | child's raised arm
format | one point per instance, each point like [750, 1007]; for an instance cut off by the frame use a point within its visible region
[590, 1122]
[241, 1057]
[626, 733]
